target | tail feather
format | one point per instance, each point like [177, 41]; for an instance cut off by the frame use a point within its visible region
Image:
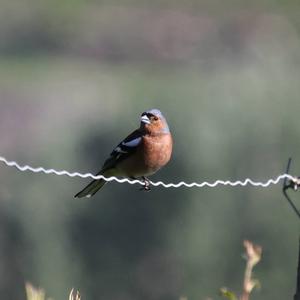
[91, 189]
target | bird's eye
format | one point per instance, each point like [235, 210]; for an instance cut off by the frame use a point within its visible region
[155, 118]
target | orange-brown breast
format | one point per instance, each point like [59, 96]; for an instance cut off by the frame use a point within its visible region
[157, 151]
[153, 153]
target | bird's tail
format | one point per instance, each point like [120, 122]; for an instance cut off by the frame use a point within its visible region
[92, 188]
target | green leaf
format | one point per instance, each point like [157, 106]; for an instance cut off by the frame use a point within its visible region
[228, 294]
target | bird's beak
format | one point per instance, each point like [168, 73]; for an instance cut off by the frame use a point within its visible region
[145, 119]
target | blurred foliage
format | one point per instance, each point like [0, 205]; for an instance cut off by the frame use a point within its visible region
[33, 293]
[74, 77]
[228, 294]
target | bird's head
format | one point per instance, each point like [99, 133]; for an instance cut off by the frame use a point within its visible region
[153, 121]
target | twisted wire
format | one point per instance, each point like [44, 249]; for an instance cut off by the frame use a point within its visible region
[244, 182]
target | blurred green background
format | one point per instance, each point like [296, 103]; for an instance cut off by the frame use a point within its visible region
[74, 78]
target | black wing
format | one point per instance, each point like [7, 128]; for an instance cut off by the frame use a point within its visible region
[124, 149]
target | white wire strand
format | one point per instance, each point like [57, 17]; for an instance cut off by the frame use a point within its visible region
[244, 182]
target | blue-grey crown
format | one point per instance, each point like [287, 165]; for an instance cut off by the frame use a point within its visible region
[157, 112]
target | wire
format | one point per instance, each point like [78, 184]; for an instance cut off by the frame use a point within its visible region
[244, 182]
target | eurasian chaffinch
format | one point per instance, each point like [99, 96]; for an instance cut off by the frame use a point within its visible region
[140, 154]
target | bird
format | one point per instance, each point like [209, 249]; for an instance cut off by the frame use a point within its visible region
[142, 153]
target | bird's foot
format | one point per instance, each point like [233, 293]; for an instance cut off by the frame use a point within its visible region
[146, 186]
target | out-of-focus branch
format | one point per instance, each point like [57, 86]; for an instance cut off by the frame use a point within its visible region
[74, 295]
[253, 256]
